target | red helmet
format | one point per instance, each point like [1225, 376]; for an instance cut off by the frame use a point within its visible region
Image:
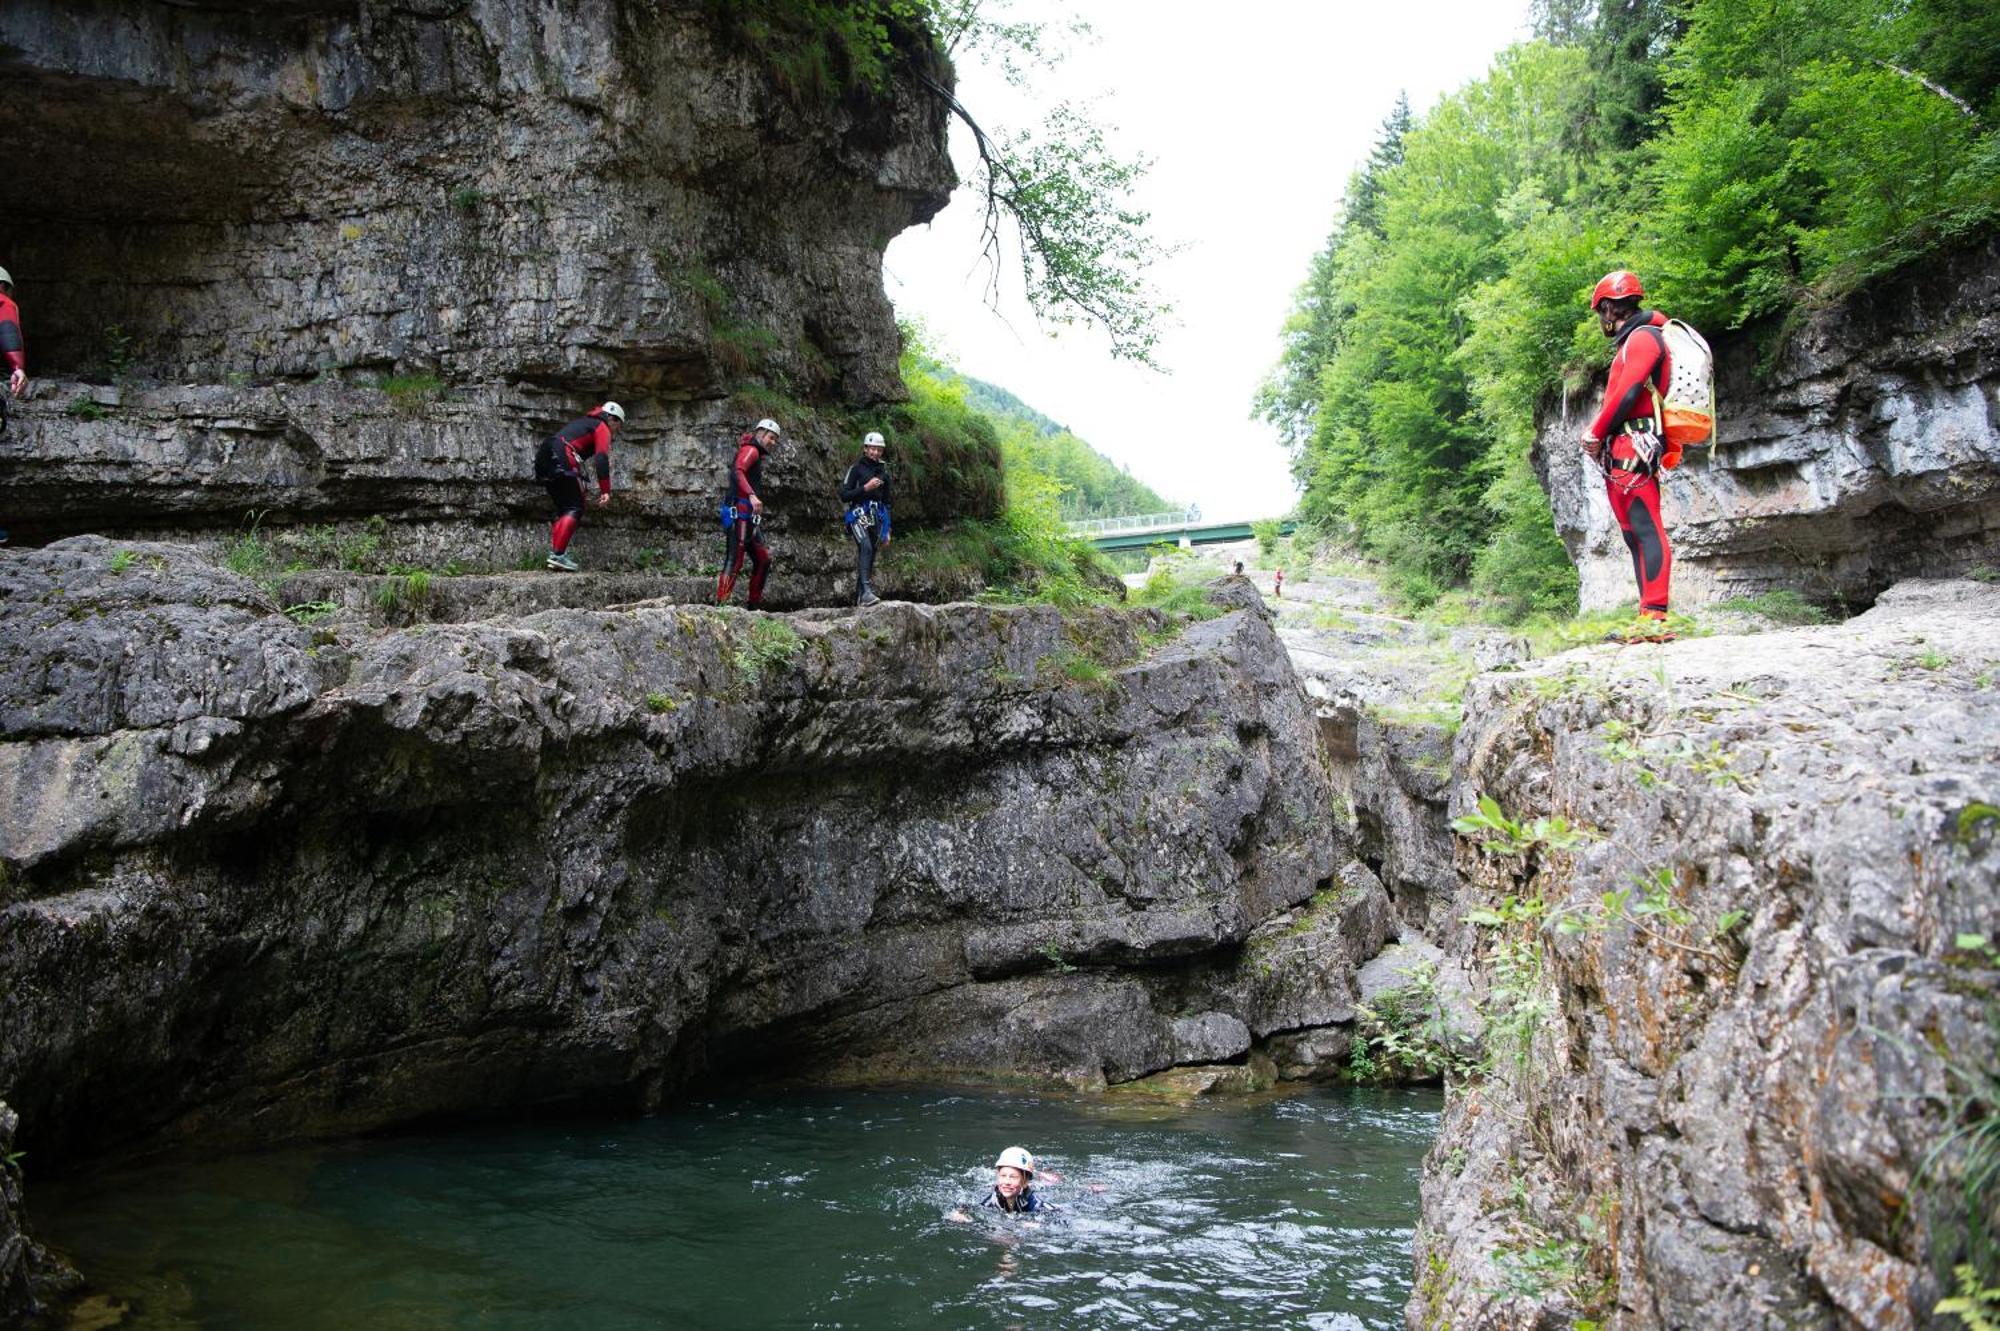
[1616, 285]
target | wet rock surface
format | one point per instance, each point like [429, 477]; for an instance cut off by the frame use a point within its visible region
[32, 1279]
[268, 879]
[1731, 1099]
[1867, 451]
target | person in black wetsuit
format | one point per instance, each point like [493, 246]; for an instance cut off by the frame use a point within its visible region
[865, 493]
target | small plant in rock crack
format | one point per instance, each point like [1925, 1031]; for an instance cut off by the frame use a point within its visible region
[1053, 955]
[1976, 1305]
[310, 612]
[1490, 826]
[123, 560]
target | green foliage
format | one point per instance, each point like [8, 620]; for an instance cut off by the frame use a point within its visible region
[1053, 955]
[83, 408]
[411, 393]
[404, 587]
[311, 612]
[117, 352]
[1783, 606]
[1267, 531]
[1976, 1305]
[467, 199]
[1501, 835]
[1747, 158]
[659, 704]
[1165, 589]
[770, 644]
[122, 560]
[328, 546]
[1092, 485]
[820, 51]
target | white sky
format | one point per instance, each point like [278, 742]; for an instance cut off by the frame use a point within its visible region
[1254, 115]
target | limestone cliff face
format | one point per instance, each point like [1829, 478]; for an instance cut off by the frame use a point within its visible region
[1868, 452]
[230, 224]
[1729, 1100]
[266, 879]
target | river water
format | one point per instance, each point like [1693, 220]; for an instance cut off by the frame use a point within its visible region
[819, 1209]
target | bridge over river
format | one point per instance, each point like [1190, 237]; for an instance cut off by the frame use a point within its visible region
[1184, 527]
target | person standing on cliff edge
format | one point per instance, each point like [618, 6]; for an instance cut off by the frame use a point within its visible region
[13, 353]
[1637, 451]
[865, 492]
[743, 514]
[559, 467]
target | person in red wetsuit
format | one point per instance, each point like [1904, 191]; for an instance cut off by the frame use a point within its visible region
[559, 467]
[1624, 439]
[743, 514]
[13, 353]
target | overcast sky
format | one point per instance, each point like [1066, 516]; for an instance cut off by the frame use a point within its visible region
[1254, 114]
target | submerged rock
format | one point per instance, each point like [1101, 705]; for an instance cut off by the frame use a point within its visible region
[1739, 999]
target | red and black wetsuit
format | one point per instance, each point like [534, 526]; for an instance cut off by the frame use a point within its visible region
[742, 526]
[1632, 482]
[13, 352]
[559, 467]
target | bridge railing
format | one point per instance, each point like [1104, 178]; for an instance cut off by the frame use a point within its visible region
[1136, 523]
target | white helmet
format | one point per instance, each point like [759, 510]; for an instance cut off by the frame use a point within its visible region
[1016, 1157]
[767, 424]
[6, 277]
[874, 440]
[613, 410]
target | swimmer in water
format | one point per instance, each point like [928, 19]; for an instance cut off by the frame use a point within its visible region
[1013, 1187]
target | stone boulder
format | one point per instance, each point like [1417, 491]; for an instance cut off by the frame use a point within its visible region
[266, 879]
[1738, 1037]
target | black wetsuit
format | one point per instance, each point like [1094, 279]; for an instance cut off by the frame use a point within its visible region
[867, 517]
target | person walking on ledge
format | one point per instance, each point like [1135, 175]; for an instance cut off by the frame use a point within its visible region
[13, 354]
[743, 514]
[559, 467]
[1626, 441]
[865, 492]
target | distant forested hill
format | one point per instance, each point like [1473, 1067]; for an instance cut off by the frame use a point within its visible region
[1093, 485]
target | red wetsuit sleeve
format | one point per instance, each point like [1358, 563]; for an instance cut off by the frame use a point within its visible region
[746, 455]
[13, 352]
[1625, 394]
[601, 439]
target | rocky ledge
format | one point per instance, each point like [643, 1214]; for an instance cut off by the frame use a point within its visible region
[266, 879]
[1730, 915]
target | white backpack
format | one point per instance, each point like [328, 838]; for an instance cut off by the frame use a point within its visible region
[1687, 416]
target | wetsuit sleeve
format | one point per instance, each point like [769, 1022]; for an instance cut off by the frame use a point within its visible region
[13, 354]
[746, 457]
[601, 437]
[850, 486]
[1624, 394]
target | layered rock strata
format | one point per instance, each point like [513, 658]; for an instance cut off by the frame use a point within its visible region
[1866, 451]
[1739, 1000]
[345, 260]
[266, 879]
